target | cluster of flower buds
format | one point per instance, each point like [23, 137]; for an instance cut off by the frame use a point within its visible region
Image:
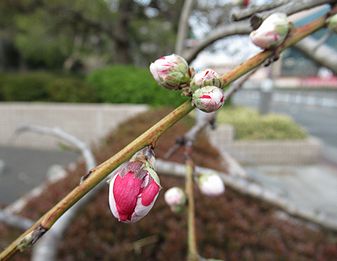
[211, 184]
[171, 72]
[175, 197]
[272, 32]
[134, 187]
[208, 95]
[332, 23]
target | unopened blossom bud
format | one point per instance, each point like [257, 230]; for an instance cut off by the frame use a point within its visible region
[243, 3]
[211, 184]
[171, 72]
[175, 198]
[134, 188]
[208, 98]
[272, 32]
[332, 23]
[204, 78]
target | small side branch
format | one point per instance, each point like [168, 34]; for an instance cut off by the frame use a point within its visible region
[241, 14]
[192, 254]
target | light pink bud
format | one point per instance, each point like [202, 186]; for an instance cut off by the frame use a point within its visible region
[171, 72]
[272, 32]
[208, 98]
[211, 184]
[175, 198]
[134, 189]
[204, 78]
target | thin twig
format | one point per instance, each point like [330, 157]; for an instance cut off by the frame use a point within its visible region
[147, 138]
[238, 85]
[241, 14]
[192, 254]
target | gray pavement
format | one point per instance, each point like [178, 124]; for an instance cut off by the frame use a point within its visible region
[320, 121]
[23, 169]
[310, 187]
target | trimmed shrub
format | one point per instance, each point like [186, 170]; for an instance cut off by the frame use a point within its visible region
[43, 86]
[26, 87]
[129, 84]
[71, 90]
[250, 125]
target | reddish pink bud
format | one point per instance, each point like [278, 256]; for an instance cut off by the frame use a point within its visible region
[134, 189]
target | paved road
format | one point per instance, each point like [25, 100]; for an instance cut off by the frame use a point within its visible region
[23, 169]
[319, 121]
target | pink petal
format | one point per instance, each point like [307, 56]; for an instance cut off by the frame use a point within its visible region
[149, 193]
[126, 190]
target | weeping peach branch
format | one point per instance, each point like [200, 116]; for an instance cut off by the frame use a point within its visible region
[148, 138]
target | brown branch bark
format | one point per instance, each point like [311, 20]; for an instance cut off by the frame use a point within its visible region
[240, 28]
[241, 14]
[283, 6]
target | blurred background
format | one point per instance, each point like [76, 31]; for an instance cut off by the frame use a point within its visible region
[82, 66]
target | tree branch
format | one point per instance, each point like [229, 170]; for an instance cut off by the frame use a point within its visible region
[325, 55]
[239, 28]
[283, 6]
[147, 138]
[183, 26]
[297, 6]
[241, 14]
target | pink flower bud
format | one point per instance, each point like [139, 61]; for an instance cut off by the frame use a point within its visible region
[211, 184]
[243, 3]
[175, 198]
[208, 98]
[204, 78]
[134, 188]
[332, 23]
[171, 72]
[272, 32]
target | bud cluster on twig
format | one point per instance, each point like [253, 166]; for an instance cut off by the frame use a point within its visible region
[205, 87]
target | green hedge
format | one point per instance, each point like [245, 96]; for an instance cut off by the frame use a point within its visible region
[114, 84]
[129, 84]
[250, 125]
[43, 86]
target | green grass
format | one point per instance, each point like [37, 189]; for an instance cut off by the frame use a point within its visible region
[250, 125]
